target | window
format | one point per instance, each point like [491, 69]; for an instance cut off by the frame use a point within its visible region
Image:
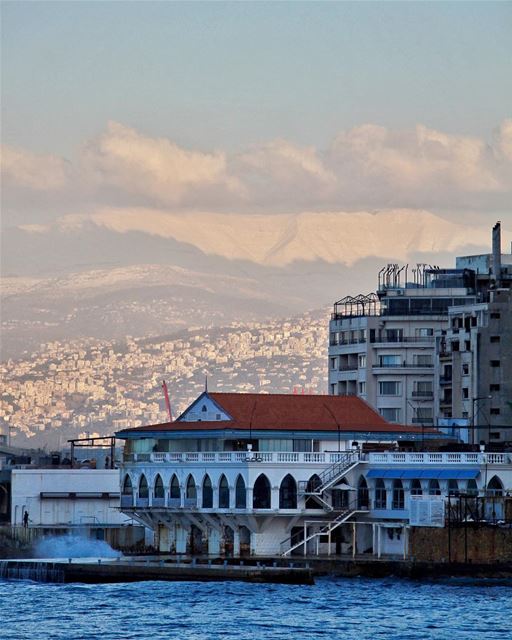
[389, 361]
[191, 489]
[472, 488]
[465, 392]
[423, 388]
[494, 387]
[333, 388]
[288, 493]
[175, 488]
[416, 489]
[391, 414]
[143, 488]
[423, 360]
[159, 487]
[495, 363]
[204, 408]
[433, 488]
[398, 495]
[389, 388]
[423, 333]
[362, 361]
[495, 487]
[223, 493]
[394, 335]
[127, 486]
[495, 315]
[333, 363]
[425, 414]
[380, 495]
[495, 339]
[455, 345]
[465, 369]
[207, 493]
[362, 388]
[495, 435]
[495, 411]
[453, 488]
[240, 494]
[261, 493]
[467, 345]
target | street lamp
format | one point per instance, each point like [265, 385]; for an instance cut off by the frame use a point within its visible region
[473, 416]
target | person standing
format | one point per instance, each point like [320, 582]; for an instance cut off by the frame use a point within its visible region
[25, 519]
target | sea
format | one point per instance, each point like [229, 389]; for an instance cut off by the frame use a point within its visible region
[355, 608]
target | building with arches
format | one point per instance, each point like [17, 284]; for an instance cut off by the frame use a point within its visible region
[239, 474]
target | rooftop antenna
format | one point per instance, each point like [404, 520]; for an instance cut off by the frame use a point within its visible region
[206, 383]
[167, 401]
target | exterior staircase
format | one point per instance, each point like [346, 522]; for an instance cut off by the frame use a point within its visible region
[293, 542]
[330, 476]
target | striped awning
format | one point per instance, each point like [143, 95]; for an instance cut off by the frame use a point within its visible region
[424, 474]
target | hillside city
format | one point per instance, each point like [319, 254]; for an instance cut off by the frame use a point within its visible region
[88, 387]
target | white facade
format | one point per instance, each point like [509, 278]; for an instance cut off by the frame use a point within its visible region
[66, 497]
[214, 508]
[382, 347]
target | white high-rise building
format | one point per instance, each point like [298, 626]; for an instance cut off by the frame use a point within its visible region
[382, 346]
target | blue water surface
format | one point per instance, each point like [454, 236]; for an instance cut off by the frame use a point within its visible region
[333, 608]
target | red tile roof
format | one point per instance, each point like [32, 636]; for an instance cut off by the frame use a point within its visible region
[287, 412]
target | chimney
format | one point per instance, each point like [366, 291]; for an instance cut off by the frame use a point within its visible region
[496, 253]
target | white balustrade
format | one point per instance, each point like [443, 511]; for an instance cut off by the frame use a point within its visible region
[438, 458]
[293, 457]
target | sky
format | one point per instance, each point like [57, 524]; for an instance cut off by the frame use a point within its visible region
[255, 108]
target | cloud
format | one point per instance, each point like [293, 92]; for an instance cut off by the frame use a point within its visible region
[366, 167]
[22, 168]
[155, 167]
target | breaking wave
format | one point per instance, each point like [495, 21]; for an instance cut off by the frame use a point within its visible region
[73, 546]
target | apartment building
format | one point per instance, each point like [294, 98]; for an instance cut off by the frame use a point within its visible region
[473, 373]
[382, 346]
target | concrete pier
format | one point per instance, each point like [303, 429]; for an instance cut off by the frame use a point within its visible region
[134, 570]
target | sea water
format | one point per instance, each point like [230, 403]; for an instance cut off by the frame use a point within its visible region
[353, 608]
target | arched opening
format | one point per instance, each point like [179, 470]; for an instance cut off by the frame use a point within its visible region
[127, 486]
[340, 496]
[312, 484]
[207, 493]
[453, 488]
[433, 488]
[416, 488]
[158, 489]
[240, 494]
[472, 487]
[398, 495]
[363, 501]
[261, 493]
[495, 487]
[245, 541]
[143, 487]
[288, 493]
[223, 493]
[175, 491]
[380, 494]
[190, 492]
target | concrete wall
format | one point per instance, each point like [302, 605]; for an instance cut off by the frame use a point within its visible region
[28, 484]
[485, 544]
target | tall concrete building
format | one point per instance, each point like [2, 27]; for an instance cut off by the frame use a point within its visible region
[473, 376]
[390, 347]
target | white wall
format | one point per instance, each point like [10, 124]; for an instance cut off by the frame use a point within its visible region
[28, 484]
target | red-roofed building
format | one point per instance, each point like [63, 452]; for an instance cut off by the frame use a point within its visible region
[253, 473]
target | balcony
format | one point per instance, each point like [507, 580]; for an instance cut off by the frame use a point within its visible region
[236, 457]
[407, 340]
[438, 458]
[445, 380]
[422, 394]
[423, 421]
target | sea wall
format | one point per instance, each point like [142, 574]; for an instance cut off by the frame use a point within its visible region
[482, 544]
